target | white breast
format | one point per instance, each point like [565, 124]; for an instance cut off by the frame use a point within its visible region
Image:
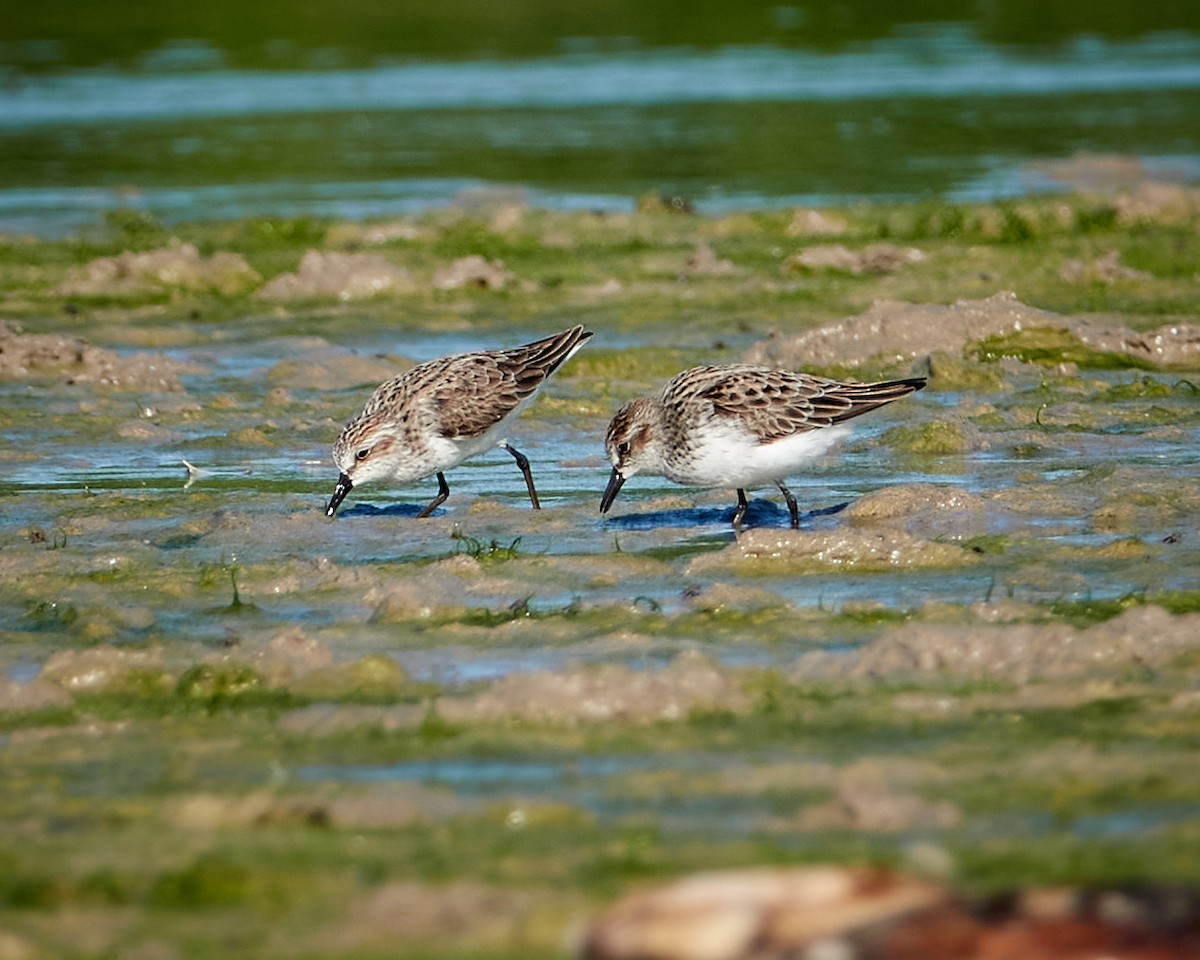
[725, 454]
[446, 452]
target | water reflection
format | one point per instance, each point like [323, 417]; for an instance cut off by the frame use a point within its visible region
[920, 113]
[947, 64]
[760, 513]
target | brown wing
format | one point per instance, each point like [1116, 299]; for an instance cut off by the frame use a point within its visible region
[473, 392]
[779, 403]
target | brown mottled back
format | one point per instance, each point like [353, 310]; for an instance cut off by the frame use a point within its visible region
[773, 404]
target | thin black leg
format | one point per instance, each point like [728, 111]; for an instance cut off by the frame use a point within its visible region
[443, 493]
[740, 511]
[791, 502]
[523, 466]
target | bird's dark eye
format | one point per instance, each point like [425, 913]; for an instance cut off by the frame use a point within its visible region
[363, 453]
[623, 448]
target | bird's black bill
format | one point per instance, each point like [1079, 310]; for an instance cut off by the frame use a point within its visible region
[344, 486]
[611, 491]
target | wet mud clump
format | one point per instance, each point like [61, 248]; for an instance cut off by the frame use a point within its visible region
[908, 331]
[807, 222]
[333, 370]
[472, 914]
[704, 262]
[473, 272]
[71, 360]
[876, 258]
[177, 267]
[775, 551]
[878, 795]
[1019, 653]
[603, 694]
[1107, 268]
[927, 510]
[339, 276]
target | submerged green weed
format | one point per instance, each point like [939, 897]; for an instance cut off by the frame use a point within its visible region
[1178, 601]
[214, 684]
[217, 880]
[933, 438]
[54, 540]
[1049, 347]
[1088, 611]
[490, 552]
[134, 228]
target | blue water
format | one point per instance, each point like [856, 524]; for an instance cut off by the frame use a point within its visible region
[948, 63]
[926, 112]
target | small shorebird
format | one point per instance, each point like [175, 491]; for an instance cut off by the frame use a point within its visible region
[439, 413]
[738, 426]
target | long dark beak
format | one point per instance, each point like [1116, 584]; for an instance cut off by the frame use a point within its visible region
[611, 491]
[344, 486]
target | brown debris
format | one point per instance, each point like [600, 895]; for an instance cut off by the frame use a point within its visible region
[756, 913]
[1137, 923]
[858, 914]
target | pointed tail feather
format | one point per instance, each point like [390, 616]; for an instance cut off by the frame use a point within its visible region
[549, 354]
[860, 398]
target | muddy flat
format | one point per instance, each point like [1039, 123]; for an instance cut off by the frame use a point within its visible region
[233, 724]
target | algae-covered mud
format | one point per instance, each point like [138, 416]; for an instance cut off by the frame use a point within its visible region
[234, 726]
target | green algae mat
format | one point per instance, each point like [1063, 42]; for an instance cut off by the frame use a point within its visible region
[230, 725]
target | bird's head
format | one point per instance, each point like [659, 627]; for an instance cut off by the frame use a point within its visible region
[632, 446]
[367, 450]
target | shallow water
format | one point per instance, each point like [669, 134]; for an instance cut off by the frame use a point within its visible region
[140, 510]
[267, 706]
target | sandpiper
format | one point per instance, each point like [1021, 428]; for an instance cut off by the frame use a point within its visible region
[738, 426]
[439, 413]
